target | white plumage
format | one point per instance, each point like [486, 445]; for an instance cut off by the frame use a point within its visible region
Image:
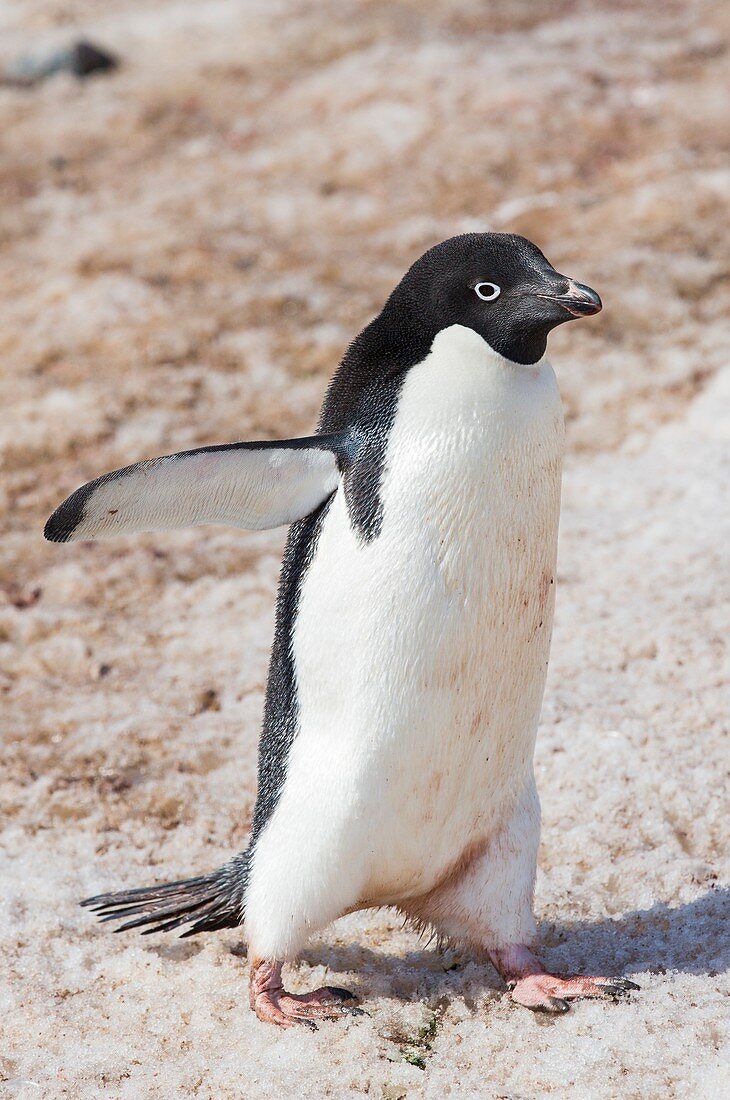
[420, 661]
[244, 485]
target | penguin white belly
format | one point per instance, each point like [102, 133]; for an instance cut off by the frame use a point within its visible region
[421, 655]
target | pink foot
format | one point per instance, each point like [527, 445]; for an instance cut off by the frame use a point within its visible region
[548, 993]
[272, 1004]
[531, 985]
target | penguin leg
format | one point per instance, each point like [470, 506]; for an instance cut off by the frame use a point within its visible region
[272, 1004]
[485, 897]
[509, 924]
[486, 901]
[305, 872]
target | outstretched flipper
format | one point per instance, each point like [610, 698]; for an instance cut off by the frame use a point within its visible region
[249, 485]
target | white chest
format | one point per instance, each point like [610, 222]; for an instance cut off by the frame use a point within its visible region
[421, 656]
[473, 467]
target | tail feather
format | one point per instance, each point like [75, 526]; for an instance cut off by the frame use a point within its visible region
[154, 916]
[207, 902]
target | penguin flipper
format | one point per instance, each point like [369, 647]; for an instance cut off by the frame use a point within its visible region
[249, 485]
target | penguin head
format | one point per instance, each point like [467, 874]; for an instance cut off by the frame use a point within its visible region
[501, 286]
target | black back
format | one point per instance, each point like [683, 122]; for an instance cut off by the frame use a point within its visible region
[360, 402]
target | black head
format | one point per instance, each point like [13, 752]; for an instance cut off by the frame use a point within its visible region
[498, 284]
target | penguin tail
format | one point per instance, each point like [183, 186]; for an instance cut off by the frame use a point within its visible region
[205, 903]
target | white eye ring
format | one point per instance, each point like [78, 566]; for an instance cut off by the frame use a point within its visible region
[487, 291]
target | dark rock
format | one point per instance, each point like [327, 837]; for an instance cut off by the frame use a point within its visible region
[81, 58]
[86, 58]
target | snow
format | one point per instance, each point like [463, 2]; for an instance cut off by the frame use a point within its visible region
[186, 248]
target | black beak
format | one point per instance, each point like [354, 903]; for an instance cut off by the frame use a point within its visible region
[579, 300]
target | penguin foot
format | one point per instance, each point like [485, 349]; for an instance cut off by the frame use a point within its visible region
[531, 985]
[549, 993]
[272, 1004]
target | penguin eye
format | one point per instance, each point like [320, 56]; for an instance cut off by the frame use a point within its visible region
[487, 291]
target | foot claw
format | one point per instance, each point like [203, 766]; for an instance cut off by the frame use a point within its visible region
[335, 994]
[552, 1004]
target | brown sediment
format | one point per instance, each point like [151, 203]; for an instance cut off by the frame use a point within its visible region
[546, 580]
[426, 908]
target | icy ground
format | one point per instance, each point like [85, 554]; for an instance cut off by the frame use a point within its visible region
[187, 246]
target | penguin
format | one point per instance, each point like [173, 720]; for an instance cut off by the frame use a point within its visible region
[412, 635]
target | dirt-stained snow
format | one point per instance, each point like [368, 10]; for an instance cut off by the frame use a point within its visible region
[186, 247]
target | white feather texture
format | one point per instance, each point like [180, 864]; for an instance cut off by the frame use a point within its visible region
[421, 659]
[242, 486]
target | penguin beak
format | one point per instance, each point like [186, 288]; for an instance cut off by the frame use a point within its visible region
[578, 300]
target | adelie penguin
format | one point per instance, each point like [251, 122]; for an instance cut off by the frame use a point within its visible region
[412, 632]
